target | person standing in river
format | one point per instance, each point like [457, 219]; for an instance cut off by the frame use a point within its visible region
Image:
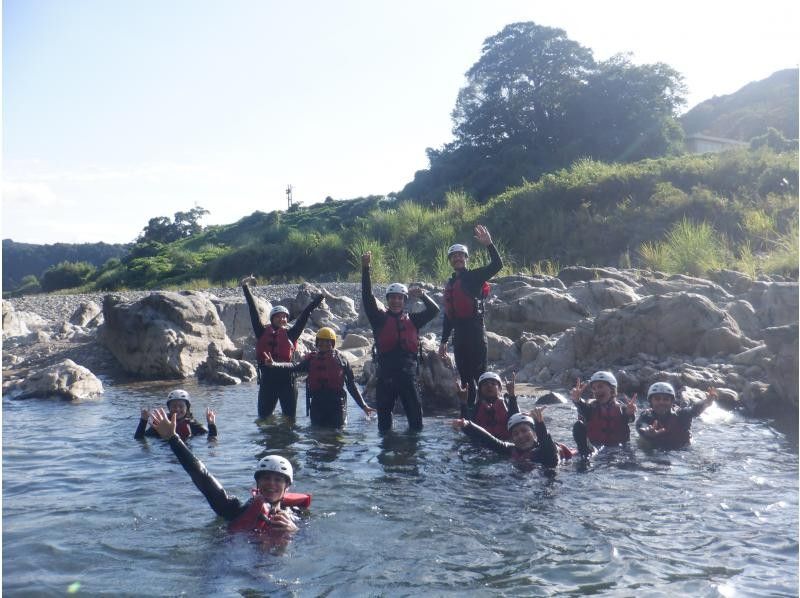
[279, 341]
[329, 374]
[464, 294]
[664, 426]
[397, 346]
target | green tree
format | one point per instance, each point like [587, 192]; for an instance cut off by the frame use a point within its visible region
[163, 230]
[66, 275]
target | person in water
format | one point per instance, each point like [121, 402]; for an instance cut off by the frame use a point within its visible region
[664, 425]
[530, 441]
[604, 420]
[269, 509]
[279, 341]
[186, 425]
[329, 374]
[397, 346]
[491, 411]
[464, 294]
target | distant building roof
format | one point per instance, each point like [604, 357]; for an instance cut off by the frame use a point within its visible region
[703, 144]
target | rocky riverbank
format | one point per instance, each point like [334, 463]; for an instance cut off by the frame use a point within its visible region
[729, 332]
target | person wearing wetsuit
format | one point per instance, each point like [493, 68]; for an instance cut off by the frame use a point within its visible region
[279, 341]
[664, 426]
[464, 294]
[273, 476]
[329, 374]
[186, 426]
[491, 411]
[531, 443]
[397, 345]
[604, 420]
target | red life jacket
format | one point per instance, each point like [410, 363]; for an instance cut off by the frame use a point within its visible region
[493, 417]
[460, 305]
[257, 516]
[608, 426]
[398, 331]
[183, 428]
[325, 372]
[275, 342]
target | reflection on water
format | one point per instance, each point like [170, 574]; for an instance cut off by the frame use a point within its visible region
[395, 514]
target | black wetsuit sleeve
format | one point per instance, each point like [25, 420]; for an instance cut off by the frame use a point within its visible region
[140, 429]
[547, 451]
[255, 319]
[473, 279]
[350, 383]
[478, 434]
[300, 323]
[431, 311]
[447, 328]
[511, 402]
[584, 409]
[197, 428]
[224, 505]
[212, 430]
[368, 300]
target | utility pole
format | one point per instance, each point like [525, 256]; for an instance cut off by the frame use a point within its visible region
[289, 196]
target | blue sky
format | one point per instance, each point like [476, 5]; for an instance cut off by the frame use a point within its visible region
[116, 111]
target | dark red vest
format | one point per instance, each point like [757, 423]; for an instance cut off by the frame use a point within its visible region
[608, 426]
[493, 417]
[398, 331]
[275, 342]
[460, 305]
[325, 372]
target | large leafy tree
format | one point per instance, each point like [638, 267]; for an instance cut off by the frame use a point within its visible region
[162, 230]
[535, 101]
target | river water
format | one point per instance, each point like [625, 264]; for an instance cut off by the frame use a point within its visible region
[89, 511]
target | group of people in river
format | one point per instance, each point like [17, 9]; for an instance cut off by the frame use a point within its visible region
[487, 416]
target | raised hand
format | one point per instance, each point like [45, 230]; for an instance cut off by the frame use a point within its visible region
[537, 413]
[630, 405]
[416, 292]
[366, 259]
[510, 384]
[211, 415]
[482, 235]
[248, 280]
[462, 390]
[577, 390]
[163, 423]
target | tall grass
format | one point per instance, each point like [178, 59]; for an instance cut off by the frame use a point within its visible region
[404, 265]
[690, 248]
[379, 267]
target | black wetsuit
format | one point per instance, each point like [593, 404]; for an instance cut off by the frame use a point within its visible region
[469, 334]
[328, 407]
[544, 452]
[397, 369]
[196, 427]
[277, 384]
[677, 422]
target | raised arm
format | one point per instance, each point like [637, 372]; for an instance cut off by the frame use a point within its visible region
[255, 318]
[300, 323]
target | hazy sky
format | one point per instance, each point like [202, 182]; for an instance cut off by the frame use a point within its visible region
[117, 111]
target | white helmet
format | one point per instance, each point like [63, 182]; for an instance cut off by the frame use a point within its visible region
[519, 418]
[490, 376]
[456, 248]
[606, 377]
[397, 288]
[661, 388]
[177, 395]
[278, 309]
[276, 464]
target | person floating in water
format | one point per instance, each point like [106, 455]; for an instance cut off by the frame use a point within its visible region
[397, 345]
[329, 374]
[530, 441]
[270, 508]
[604, 420]
[491, 411]
[278, 341]
[665, 426]
[464, 294]
[186, 425]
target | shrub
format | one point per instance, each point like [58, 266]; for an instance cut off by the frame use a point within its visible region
[66, 275]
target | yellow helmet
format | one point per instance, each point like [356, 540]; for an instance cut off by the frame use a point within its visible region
[327, 334]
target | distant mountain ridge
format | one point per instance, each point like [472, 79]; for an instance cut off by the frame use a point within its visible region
[22, 259]
[750, 111]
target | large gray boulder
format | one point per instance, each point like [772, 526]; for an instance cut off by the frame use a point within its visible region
[224, 370]
[87, 315]
[163, 335]
[606, 293]
[573, 274]
[776, 303]
[539, 310]
[680, 283]
[782, 370]
[676, 323]
[65, 379]
[235, 314]
[20, 323]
